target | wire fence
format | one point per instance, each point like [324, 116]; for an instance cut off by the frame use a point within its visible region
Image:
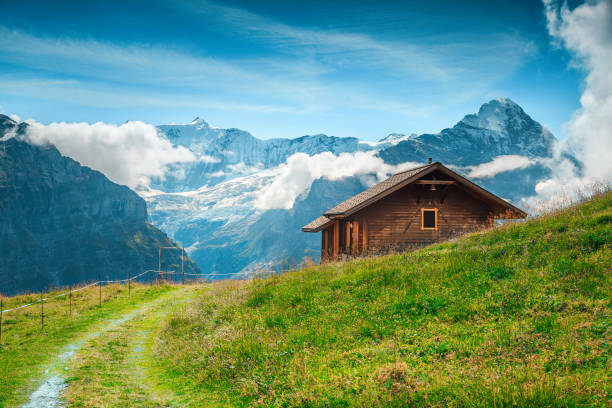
[158, 275]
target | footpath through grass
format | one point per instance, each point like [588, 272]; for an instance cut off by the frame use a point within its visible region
[26, 349]
[516, 316]
[115, 369]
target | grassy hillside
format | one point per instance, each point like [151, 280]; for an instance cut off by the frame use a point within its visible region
[519, 315]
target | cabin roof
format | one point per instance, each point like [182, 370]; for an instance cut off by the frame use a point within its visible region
[316, 225]
[396, 182]
[375, 190]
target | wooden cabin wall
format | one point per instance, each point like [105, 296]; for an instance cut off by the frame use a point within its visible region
[394, 222]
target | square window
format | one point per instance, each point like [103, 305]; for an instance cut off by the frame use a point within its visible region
[429, 218]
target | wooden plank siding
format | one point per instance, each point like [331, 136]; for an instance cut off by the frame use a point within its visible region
[394, 222]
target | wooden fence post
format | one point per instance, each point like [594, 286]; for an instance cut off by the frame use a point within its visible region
[130, 283]
[183, 264]
[42, 311]
[70, 297]
[100, 289]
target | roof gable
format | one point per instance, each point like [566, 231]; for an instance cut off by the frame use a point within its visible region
[398, 181]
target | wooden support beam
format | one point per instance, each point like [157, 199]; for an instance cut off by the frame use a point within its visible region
[324, 246]
[336, 238]
[434, 182]
[347, 243]
[355, 237]
[364, 246]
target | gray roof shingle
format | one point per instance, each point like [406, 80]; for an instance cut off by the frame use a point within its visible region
[316, 225]
[319, 223]
[375, 190]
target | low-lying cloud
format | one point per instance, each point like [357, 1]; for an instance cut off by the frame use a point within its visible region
[500, 164]
[129, 154]
[585, 32]
[301, 170]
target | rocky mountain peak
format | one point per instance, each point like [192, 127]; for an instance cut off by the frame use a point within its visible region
[497, 115]
[395, 138]
[6, 124]
[198, 121]
[5, 119]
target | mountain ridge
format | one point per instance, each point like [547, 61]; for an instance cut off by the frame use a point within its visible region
[205, 223]
[62, 223]
[209, 205]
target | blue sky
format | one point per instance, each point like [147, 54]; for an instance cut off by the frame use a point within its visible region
[282, 69]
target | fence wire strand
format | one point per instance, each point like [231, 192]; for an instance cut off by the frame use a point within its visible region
[115, 281]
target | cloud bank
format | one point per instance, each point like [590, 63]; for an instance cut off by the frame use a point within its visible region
[128, 154]
[586, 32]
[301, 170]
[500, 164]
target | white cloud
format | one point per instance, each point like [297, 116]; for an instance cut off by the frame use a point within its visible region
[128, 154]
[326, 50]
[500, 164]
[585, 32]
[298, 173]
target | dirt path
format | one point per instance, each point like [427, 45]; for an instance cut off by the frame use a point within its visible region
[59, 373]
[117, 367]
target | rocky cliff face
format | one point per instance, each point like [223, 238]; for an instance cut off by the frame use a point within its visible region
[63, 223]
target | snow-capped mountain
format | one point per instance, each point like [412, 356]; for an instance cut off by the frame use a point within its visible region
[394, 138]
[209, 205]
[224, 154]
[500, 127]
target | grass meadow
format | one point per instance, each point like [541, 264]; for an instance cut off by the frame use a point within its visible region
[516, 316]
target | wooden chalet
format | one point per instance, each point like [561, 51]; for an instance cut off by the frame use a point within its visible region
[416, 207]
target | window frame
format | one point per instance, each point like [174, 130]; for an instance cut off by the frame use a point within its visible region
[423, 228]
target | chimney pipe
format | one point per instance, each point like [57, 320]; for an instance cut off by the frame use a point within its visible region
[430, 160]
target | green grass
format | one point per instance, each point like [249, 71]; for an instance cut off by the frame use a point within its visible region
[114, 369]
[26, 348]
[516, 316]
